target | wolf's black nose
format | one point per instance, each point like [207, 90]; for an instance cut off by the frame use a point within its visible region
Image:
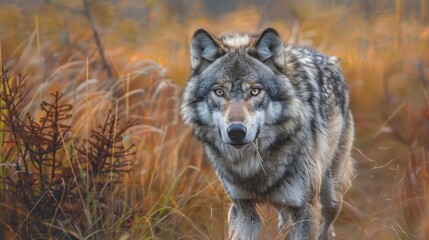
[236, 132]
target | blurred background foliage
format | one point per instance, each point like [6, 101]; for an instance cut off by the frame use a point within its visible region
[132, 56]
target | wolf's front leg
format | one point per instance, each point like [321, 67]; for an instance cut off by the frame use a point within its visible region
[305, 223]
[244, 221]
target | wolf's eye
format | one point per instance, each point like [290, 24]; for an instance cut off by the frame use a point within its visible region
[255, 91]
[219, 92]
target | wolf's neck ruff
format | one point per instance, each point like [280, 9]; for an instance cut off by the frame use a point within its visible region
[276, 126]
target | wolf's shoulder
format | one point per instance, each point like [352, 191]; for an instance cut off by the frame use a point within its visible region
[323, 72]
[319, 67]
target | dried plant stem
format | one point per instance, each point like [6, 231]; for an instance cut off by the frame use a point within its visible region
[255, 144]
[115, 123]
[87, 119]
[127, 98]
[1, 118]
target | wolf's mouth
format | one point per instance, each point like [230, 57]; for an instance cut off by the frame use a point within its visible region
[237, 145]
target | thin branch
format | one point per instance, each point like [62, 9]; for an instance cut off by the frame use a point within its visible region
[86, 11]
[88, 15]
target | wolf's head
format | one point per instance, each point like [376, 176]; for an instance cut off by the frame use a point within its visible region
[237, 86]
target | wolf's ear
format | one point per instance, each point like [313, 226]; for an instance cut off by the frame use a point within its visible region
[204, 47]
[269, 45]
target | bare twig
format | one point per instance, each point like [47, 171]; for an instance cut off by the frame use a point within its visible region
[86, 11]
[88, 15]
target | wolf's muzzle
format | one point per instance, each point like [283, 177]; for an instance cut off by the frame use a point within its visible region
[237, 132]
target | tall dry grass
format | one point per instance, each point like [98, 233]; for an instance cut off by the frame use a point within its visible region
[171, 192]
[160, 195]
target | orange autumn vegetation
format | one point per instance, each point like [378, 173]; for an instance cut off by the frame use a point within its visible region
[170, 190]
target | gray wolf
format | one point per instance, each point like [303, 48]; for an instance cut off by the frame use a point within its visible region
[276, 125]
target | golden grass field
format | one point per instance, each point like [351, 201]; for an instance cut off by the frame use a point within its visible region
[168, 190]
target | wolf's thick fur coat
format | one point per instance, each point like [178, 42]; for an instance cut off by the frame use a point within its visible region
[293, 129]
